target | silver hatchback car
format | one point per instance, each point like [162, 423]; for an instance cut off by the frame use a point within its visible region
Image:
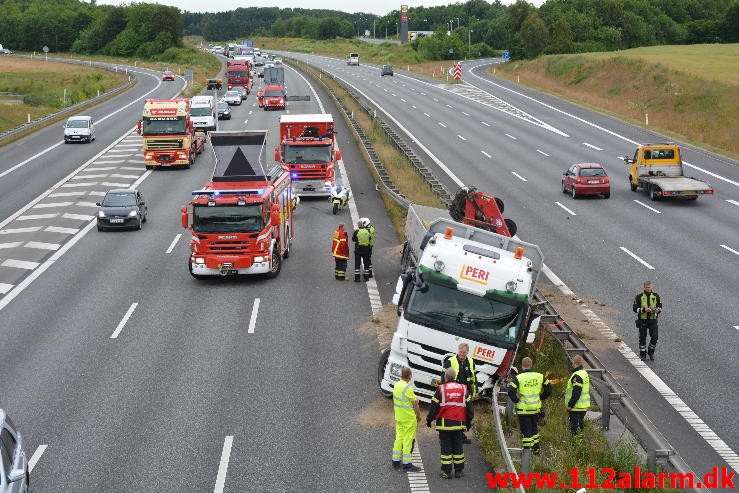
[14, 476]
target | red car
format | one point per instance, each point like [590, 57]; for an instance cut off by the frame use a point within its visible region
[168, 75]
[586, 179]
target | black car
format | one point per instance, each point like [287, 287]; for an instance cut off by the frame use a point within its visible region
[386, 70]
[224, 111]
[121, 208]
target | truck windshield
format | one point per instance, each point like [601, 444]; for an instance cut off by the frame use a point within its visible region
[307, 154]
[273, 94]
[227, 218]
[170, 125]
[484, 319]
[238, 73]
[201, 111]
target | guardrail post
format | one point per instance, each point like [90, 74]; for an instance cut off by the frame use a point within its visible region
[605, 415]
[526, 461]
[651, 460]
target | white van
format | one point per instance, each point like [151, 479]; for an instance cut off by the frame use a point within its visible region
[79, 129]
[204, 112]
[352, 59]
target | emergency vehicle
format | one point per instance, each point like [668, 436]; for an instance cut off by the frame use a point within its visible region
[459, 283]
[168, 134]
[241, 221]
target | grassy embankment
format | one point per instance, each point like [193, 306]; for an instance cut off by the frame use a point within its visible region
[690, 92]
[41, 85]
[401, 57]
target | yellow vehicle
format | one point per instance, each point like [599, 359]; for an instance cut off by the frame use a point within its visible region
[658, 169]
[169, 137]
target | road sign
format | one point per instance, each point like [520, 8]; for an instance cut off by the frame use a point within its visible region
[506, 56]
[45, 49]
[457, 71]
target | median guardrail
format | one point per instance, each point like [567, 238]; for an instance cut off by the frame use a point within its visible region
[607, 392]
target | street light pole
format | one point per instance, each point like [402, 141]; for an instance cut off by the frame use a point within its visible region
[469, 43]
[374, 28]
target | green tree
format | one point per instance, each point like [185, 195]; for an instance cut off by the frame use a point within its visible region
[534, 35]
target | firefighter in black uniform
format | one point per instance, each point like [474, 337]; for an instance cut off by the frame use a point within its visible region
[647, 306]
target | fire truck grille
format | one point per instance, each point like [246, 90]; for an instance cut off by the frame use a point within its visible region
[164, 144]
[229, 246]
[310, 175]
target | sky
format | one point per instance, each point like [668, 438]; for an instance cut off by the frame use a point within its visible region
[379, 7]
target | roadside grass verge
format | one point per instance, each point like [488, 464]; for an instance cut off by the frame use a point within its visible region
[41, 86]
[682, 97]
[403, 175]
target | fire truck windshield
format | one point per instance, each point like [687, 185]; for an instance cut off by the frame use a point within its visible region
[274, 93]
[169, 125]
[485, 319]
[307, 154]
[238, 73]
[227, 218]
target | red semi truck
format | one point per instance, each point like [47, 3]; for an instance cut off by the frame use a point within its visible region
[307, 151]
[241, 221]
[238, 73]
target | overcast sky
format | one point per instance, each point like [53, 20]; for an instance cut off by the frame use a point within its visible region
[379, 7]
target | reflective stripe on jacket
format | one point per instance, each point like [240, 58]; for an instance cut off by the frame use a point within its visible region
[648, 303]
[471, 379]
[452, 407]
[529, 389]
[583, 401]
[402, 401]
[340, 245]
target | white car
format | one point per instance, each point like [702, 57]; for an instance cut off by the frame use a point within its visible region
[79, 129]
[232, 97]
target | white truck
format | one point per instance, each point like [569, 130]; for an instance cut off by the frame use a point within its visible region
[459, 284]
[204, 113]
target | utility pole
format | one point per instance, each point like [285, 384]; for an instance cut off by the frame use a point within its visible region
[469, 43]
[374, 28]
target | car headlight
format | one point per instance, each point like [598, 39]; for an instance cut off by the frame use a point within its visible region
[133, 214]
[396, 369]
[258, 259]
[199, 260]
[101, 214]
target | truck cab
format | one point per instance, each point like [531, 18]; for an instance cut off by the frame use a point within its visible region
[352, 59]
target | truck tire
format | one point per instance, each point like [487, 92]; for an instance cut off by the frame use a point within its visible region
[500, 204]
[276, 265]
[384, 357]
[512, 227]
[653, 189]
[289, 245]
[631, 184]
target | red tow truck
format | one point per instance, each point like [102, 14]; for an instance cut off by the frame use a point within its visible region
[238, 73]
[307, 152]
[241, 221]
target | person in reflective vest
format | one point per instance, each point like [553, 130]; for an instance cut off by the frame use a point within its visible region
[527, 390]
[260, 98]
[464, 366]
[577, 396]
[452, 409]
[407, 417]
[647, 306]
[340, 252]
[364, 241]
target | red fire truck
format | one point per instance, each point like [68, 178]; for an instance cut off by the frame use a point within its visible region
[238, 73]
[307, 152]
[241, 221]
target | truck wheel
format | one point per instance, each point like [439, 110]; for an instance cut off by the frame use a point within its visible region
[381, 372]
[653, 189]
[289, 245]
[512, 228]
[274, 271]
[500, 204]
[149, 167]
[631, 184]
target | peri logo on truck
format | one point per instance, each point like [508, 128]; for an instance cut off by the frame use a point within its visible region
[164, 111]
[483, 353]
[474, 274]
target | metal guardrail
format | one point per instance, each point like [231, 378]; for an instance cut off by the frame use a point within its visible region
[612, 395]
[69, 109]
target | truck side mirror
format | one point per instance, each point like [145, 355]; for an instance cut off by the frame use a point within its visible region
[338, 155]
[138, 127]
[185, 217]
[533, 327]
[277, 154]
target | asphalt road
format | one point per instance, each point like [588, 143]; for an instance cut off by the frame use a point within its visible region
[516, 143]
[124, 373]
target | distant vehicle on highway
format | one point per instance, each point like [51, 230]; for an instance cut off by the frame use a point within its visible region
[586, 179]
[14, 477]
[168, 75]
[121, 208]
[224, 111]
[240, 90]
[352, 59]
[232, 97]
[386, 70]
[5, 51]
[79, 129]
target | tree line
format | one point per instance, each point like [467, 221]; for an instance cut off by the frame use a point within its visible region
[139, 29]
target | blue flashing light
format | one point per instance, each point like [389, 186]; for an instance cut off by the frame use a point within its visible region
[293, 175]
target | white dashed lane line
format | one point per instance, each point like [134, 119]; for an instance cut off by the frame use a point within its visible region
[174, 242]
[35, 457]
[485, 123]
[461, 137]
[518, 176]
[442, 124]
[637, 258]
[646, 206]
[403, 100]
[486, 154]
[566, 209]
[253, 318]
[592, 146]
[123, 321]
[223, 464]
[730, 249]
[465, 113]
[734, 202]
[511, 136]
[542, 152]
[427, 115]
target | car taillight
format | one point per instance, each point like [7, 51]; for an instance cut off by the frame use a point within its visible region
[605, 179]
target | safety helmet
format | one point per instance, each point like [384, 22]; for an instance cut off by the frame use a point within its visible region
[364, 222]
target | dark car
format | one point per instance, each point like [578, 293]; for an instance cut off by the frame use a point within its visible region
[14, 476]
[168, 75]
[224, 110]
[386, 70]
[586, 179]
[121, 208]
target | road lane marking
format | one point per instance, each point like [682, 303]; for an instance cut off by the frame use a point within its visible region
[645, 205]
[31, 217]
[417, 480]
[403, 100]
[59, 229]
[735, 183]
[253, 319]
[449, 106]
[520, 177]
[565, 208]
[442, 124]
[461, 137]
[35, 457]
[485, 123]
[511, 136]
[436, 100]
[43, 246]
[20, 264]
[5, 287]
[123, 321]
[223, 464]
[32, 229]
[78, 217]
[733, 202]
[413, 106]
[465, 113]
[174, 242]
[635, 257]
[542, 152]
[736, 327]
[427, 115]
[486, 154]
[592, 146]
[12, 244]
[730, 249]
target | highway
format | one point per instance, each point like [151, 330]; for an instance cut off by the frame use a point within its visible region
[516, 143]
[124, 373]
